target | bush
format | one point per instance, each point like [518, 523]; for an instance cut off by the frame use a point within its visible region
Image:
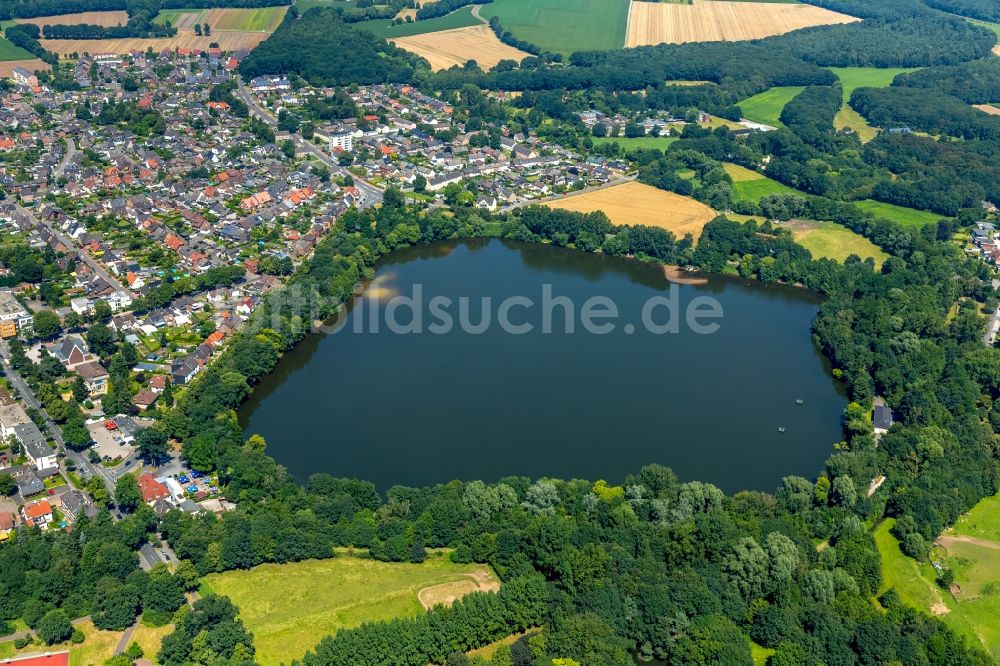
[22, 642]
[77, 637]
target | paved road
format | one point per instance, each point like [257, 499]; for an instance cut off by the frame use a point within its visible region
[86, 468]
[26, 215]
[71, 150]
[371, 194]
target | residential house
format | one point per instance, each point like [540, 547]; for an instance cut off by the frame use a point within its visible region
[71, 352]
[152, 490]
[38, 514]
[94, 376]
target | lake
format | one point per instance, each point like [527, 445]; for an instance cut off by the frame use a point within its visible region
[422, 408]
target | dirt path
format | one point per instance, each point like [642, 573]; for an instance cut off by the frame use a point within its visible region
[945, 541]
[446, 593]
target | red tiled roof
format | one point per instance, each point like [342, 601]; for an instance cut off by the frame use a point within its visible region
[38, 510]
[152, 489]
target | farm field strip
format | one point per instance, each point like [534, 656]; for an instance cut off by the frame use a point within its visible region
[184, 39]
[991, 109]
[563, 26]
[107, 19]
[385, 28]
[7, 66]
[652, 23]
[637, 203]
[448, 48]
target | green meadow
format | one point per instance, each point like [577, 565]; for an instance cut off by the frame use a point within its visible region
[900, 214]
[563, 26]
[766, 107]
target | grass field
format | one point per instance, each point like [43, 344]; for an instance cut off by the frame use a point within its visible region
[385, 28]
[974, 614]
[563, 26]
[852, 78]
[982, 522]
[751, 186]
[306, 5]
[9, 52]
[652, 23]
[995, 27]
[149, 638]
[898, 213]
[96, 648]
[830, 240]
[448, 48]
[636, 203]
[632, 143]
[290, 607]
[766, 107]
[263, 19]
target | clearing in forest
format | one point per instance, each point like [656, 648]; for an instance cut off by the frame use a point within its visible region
[637, 203]
[833, 241]
[455, 47]
[766, 107]
[290, 607]
[653, 23]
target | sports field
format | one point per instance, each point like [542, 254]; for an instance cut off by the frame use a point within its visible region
[385, 28]
[898, 214]
[448, 48]
[766, 107]
[830, 240]
[563, 26]
[652, 23]
[637, 203]
[290, 607]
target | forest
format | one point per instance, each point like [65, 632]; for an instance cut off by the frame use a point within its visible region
[337, 53]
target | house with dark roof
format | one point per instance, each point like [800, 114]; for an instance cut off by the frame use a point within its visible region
[37, 449]
[882, 419]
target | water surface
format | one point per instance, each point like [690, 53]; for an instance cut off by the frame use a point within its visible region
[422, 408]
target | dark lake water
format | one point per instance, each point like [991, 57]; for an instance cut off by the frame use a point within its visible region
[417, 409]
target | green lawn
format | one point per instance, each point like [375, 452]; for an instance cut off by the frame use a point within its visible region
[290, 607]
[766, 107]
[627, 144]
[564, 26]
[982, 522]
[385, 28]
[904, 574]
[830, 240]
[898, 213]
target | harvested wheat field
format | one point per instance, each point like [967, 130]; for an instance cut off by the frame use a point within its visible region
[7, 66]
[652, 23]
[636, 203]
[107, 19]
[184, 39]
[447, 48]
[988, 108]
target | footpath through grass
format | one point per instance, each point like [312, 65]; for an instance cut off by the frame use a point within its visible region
[766, 107]
[564, 26]
[290, 607]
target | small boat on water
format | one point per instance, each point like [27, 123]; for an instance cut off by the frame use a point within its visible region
[800, 401]
[781, 429]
